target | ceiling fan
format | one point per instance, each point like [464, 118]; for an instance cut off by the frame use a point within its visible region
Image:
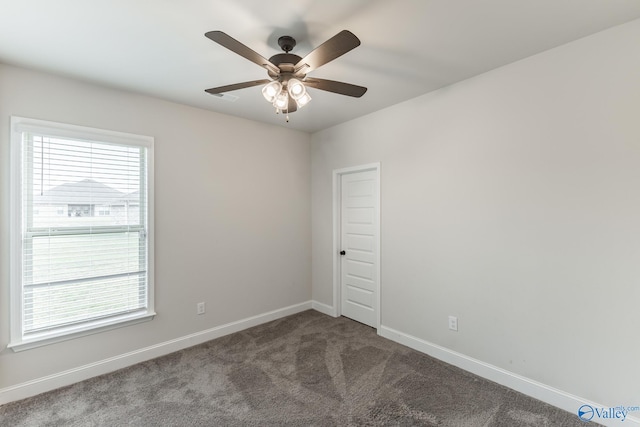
[288, 80]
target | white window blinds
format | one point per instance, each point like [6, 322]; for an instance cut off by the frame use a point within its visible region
[84, 230]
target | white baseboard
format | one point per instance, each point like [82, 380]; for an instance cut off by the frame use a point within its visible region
[324, 308]
[545, 393]
[61, 379]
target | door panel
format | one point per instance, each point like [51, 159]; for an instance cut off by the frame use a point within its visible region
[359, 269]
[360, 216]
[360, 296]
[358, 242]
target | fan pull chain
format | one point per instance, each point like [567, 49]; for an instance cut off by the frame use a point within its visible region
[278, 111]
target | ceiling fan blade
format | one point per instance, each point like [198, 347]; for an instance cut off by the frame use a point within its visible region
[229, 88]
[335, 87]
[234, 45]
[333, 48]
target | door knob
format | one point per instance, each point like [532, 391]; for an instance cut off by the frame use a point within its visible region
[343, 253]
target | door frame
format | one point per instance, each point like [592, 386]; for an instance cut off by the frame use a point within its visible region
[337, 208]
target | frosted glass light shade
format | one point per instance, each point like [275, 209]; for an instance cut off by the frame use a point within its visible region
[303, 100]
[271, 91]
[282, 101]
[296, 89]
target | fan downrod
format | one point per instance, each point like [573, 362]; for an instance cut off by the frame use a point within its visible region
[287, 43]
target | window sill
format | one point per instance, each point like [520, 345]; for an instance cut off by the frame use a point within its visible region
[73, 332]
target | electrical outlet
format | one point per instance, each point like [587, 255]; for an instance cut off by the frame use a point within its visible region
[200, 309]
[453, 323]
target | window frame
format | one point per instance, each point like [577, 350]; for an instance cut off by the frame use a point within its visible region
[18, 341]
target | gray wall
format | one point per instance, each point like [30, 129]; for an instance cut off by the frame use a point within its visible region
[511, 200]
[232, 215]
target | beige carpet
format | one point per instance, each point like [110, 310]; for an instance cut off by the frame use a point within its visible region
[304, 370]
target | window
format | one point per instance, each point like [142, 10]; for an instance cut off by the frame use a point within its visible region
[91, 268]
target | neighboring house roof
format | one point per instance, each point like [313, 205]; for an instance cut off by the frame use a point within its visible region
[85, 192]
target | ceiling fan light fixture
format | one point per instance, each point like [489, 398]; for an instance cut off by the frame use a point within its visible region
[271, 91]
[282, 101]
[303, 100]
[296, 89]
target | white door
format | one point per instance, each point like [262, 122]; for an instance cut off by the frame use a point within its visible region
[359, 247]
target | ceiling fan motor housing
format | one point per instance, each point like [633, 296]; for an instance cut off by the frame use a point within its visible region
[287, 43]
[285, 62]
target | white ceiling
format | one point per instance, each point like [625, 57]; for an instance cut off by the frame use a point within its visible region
[409, 47]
